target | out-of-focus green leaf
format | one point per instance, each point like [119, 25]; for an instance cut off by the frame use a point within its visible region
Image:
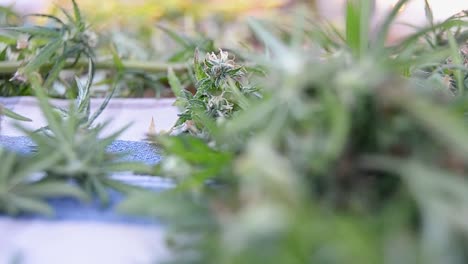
[78, 18]
[43, 57]
[389, 19]
[428, 12]
[37, 31]
[29, 205]
[353, 25]
[7, 112]
[51, 189]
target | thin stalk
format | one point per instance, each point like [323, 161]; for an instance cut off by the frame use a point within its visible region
[7, 67]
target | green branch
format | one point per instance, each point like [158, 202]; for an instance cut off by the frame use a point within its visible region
[7, 67]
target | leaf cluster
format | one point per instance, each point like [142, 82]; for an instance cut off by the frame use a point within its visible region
[63, 40]
[22, 192]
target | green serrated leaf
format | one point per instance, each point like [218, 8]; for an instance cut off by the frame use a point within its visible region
[198, 66]
[44, 56]
[31, 205]
[357, 25]
[8, 162]
[174, 83]
[78, 18]
[176, 37]
[7, 40]
[7, 112]
[117, 60]
[52, 117]
[36, 31]
[428, 12]
[67, 14]
[49, 189]
[54, 18]
[104, 104]
[82, 102]
[455, 55]
[385, 28]
[36, 164]
[99, 189]
[55, 71]
[122, 187]
[136, 167]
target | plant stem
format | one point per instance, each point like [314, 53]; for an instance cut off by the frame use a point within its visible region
[7, 67]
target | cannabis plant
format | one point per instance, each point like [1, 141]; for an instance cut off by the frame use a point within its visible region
[82, 151]
[221, 91]
[82, 104]
[38, 46]
[63, 40]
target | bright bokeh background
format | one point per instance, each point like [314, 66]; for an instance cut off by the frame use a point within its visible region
[110, 12]
[157, 8]
[153, 9]
[412, 13]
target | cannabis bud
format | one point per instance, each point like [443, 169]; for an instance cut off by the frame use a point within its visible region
[22, 42]
[220, 67]
[91, 38]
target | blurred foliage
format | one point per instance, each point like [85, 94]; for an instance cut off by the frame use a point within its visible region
[355, 153]
[20, 193]
[80, 150]
[70, 158]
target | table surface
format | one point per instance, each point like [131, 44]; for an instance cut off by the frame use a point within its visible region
[121, 112]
